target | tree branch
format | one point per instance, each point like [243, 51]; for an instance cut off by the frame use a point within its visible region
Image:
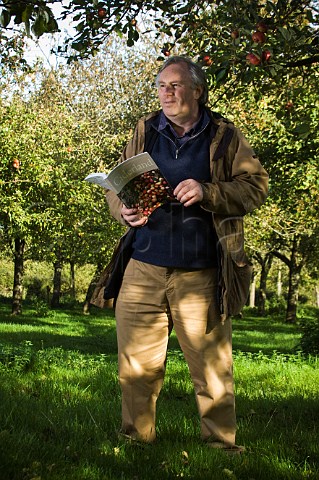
[303, 62]
[281, 257]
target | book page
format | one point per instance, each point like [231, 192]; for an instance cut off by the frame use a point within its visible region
[98, 179]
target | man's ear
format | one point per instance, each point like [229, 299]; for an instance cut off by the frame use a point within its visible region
[198, 92]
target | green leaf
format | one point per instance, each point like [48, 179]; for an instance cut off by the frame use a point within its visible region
[38, 27]
[52, 26]
[27, 12]
[285, 33]
[302, 130]
[78, 46]
[80, 26]
[309, 16]
[181, 11]
[27, 28]
[5, 18]
[18, 18]
[221, 75]
[45, 14]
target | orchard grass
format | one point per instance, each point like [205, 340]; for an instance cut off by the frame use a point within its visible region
[60, 404]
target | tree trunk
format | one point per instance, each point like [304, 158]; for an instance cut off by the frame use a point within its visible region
[56, 294]
[19, 245]
[72, 283]
[252, 293]
[262, 295]
[296, 264]
[317, 296]
[279, 283]
[95, 278]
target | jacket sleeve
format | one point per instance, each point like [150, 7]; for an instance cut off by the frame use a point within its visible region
[239, 182]
[115, 206]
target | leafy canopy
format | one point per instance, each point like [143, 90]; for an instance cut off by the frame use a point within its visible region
[232, 38]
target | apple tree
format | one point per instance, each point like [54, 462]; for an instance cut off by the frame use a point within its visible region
[239, 41]
[105, 104]
[44, 199]
[31, 140]
[282, 126]
[75, 121]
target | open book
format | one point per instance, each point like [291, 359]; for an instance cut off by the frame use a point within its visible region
[138, 182]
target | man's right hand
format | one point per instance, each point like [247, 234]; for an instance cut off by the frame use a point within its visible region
[133, 217]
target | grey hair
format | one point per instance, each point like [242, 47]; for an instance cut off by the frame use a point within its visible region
[196, 72]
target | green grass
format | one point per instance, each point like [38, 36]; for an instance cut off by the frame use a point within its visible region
[60, 405]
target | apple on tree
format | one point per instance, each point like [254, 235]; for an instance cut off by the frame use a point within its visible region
[262, 27]
[166, 52]
[101, 12]
[253, 59]
[265, 56]
[207, 60]
[258, 37]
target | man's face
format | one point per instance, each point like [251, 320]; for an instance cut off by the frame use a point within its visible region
[178, 99]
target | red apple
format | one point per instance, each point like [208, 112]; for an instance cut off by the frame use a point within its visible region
[258, 37]
[265, 56]
[253, 59]
[234, 34]
[16, 163]
[262, 27]
[289, 105]
[101, 12]
[207, 60]
[166, 52]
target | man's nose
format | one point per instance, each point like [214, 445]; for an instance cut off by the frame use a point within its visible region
[169, 89]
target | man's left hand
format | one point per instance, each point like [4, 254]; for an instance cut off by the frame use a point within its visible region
[189, 192]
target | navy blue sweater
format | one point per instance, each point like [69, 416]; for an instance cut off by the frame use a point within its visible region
[178, 236]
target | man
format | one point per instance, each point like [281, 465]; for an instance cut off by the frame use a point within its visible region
[188, 269]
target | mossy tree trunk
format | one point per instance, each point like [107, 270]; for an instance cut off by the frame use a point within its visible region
[72, 279]
[295, 264]
[57, 280]
[17, 297]
[91, 287]
[262, 295]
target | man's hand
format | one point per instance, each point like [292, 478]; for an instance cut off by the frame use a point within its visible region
[133, 217]
[189, 192]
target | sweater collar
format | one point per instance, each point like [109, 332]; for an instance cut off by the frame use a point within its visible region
[164, 124]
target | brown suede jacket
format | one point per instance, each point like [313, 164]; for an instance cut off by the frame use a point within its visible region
[239, 185]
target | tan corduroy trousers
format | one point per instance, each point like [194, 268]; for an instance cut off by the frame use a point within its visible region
[152, 300]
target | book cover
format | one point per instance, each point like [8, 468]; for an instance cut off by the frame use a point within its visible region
[138, 182]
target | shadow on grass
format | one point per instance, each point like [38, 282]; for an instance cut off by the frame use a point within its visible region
[266, 335]
[67, 329]
[96, 333]
[255, 335]
[264, 324]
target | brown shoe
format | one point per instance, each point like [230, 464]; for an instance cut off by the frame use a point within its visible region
[229, 449]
